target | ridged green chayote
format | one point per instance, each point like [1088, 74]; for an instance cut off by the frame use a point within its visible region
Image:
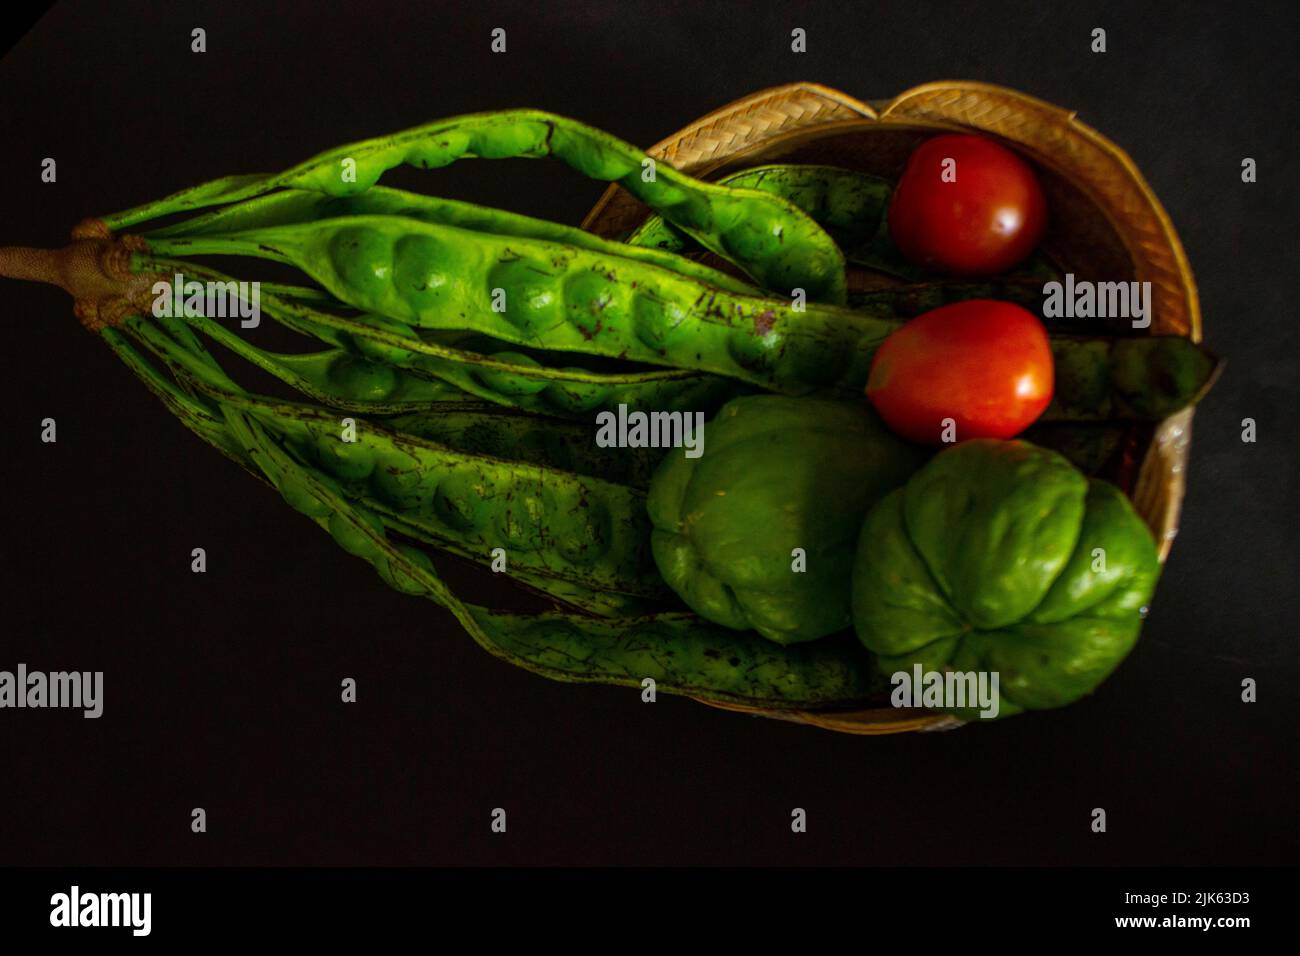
[1000, 556]
[777, 474]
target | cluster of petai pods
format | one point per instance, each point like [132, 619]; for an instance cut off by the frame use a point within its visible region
[606, 638]
[442, 413]
[545, 295]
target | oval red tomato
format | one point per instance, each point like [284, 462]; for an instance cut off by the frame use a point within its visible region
[980, 214]
[984, 364]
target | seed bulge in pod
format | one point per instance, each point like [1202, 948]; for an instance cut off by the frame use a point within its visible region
[348, 461]
[399, 481]
[362, 261]
[362, 380]
[381, 351]
[511, 383]
[572, 397]
[350, 538]
[398, 578]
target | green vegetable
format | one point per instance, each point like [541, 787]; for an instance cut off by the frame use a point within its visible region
[848, 204]
[297, 206]
[759, 531]
[542, 294]
[583, 531]
[1001, 557]
[1144, 379]
[767, 237]
[1090, 446]
[549, 522]
[516, 436]
[443, 329]
[334, 377]
[380, 365]
[907, 301]
[680, 653]
[684, 656]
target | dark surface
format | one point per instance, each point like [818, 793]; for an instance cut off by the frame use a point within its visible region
[222, 690]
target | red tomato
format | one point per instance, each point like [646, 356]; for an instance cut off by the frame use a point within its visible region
[987, 219]
[987, 365]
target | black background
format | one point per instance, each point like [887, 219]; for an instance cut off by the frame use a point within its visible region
[222, 689]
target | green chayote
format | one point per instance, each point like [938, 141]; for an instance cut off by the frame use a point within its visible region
[777, 474]
[999, 556]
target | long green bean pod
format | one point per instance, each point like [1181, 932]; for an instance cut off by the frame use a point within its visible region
[552, 296]
[550, 522]
[334, 377]
[298, 206]
[765, 236]
[549, 296]
[849, 205]
[518, 436]
[383, 366]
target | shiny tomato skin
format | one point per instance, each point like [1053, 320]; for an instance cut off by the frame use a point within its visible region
[985, 364]
[986, 221]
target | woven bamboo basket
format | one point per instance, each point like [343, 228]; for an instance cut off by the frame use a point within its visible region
[1105, 224]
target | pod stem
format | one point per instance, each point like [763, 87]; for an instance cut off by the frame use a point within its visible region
[95, 269]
